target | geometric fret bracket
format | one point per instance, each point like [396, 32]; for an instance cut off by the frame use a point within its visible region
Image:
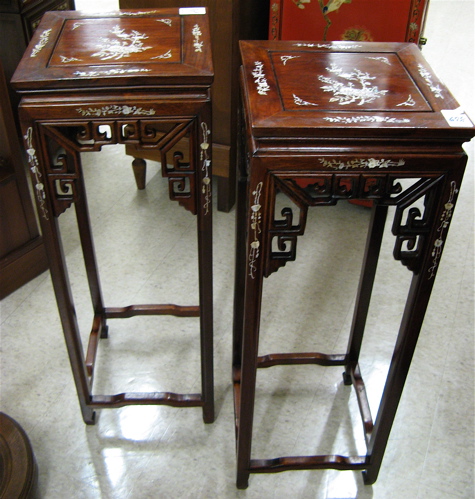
[61, 169]
[329, 188]
[316, 190]
[157, 134]
[181, 170]
[415, 206]
[414, 217]
[284, 230]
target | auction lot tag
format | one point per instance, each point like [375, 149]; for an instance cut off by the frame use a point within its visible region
[456, 117]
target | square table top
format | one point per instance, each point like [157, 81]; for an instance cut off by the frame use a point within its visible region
[307, 89]
[71, 49]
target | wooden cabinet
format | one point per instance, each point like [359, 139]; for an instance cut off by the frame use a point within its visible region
[230, 21]
[22, 255]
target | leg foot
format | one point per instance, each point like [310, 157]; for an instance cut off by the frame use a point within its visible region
[105, 332]
[347, 379]
[368, 479]
[89, 416]
[242, 481]
[208, 414]
[140, 170]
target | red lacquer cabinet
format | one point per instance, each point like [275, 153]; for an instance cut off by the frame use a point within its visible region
[358, 20]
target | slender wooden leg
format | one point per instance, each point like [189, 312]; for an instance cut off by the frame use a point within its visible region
[85, 233]
[253, 271]
[240, 268]
[240, 244]
[58, 269]
[205, 261]
[409, 332]
[140, 171]
[67, 314]
[368, 272]
[416, 306]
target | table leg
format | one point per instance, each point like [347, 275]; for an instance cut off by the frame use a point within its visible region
[58, 269]
[245, 378]
[240, 259]
[205, 261]
[87, 244]
[413, 317]
[368, 272]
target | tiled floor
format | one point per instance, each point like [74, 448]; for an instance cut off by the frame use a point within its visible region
[157, 452]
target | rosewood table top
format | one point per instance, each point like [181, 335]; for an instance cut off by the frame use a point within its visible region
[302, 89]
[75, 50]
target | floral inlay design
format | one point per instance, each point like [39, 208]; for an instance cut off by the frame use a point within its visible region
[285, 58]
[204, 157]
[33, 161]
[111, 72]
[370, 163]
[442, 229]
[123, 45]
[409, 102]
[196, 32]
[384, 60]
[435, 89]
[365, 119]
[168, 22]
[44, 37]
[301, 102]
[167, 55]
[260, 78]
[256, 230]
[65, 60]
[76, 26]
[115, 110]
[347, 93]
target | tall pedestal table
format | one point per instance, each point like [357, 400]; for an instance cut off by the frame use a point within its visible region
[126, 77]
[324, 122]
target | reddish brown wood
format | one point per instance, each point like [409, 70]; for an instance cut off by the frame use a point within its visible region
[146, 76]
[325, 122]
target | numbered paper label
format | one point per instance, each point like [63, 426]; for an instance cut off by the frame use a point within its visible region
[457, 117]
[192, 11]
